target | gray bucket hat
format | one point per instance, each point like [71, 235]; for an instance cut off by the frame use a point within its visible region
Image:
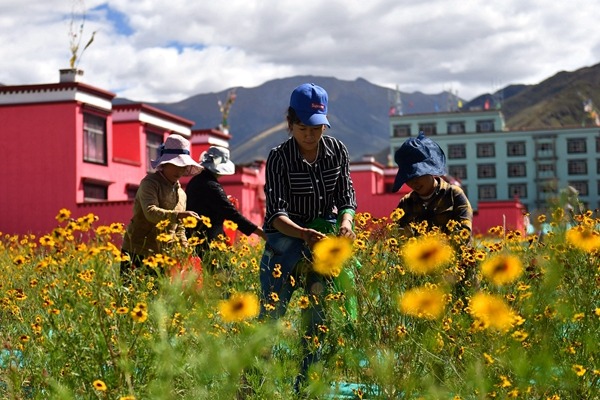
[416, 157]
[216, 159]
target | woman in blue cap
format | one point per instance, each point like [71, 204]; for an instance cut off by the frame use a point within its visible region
[421, 165]
[307, 185]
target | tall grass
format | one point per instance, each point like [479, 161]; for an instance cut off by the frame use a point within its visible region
[508, 316]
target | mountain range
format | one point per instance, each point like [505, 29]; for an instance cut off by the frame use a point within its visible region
[359, 110]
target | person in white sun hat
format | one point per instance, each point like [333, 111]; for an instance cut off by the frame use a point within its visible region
[207, 197]
[159, 197]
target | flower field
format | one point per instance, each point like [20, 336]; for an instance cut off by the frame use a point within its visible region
[429, 316]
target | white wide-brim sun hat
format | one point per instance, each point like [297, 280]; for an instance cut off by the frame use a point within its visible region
[176, 150]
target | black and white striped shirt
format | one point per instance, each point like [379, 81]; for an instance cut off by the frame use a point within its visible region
[303, 191]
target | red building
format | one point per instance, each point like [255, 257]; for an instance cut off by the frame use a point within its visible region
[66, 145]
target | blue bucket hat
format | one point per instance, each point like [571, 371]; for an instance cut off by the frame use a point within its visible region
[309, 101]
[417, 157]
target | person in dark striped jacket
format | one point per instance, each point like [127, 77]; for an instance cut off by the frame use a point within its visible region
[307, 185]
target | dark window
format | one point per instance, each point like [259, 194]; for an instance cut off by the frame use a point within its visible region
[515, 149]
[428, 129]
[577, 167]
[517, 190]
[456, 127]
[401, 130]
[581, 187]
[545, 150]
[548, 186]
[545, 168]
[94, 139]
[576, 146]
[485, 126]
[485, 150]
[457, 151]
[131, 191]
[516, 169]
[94, 192]
[153, 142]
[458, 171]
[487, 192]
[486, 171]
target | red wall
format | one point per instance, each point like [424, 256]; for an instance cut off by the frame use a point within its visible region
[38, 172]
[508, 214]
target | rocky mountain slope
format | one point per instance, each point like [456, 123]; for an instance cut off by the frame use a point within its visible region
[359, 110]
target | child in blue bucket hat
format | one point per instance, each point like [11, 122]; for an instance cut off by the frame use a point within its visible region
[422, 165]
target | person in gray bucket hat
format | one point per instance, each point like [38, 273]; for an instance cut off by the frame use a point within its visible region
[206, 196]
[422, 166]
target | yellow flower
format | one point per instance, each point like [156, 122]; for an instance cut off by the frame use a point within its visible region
[117, 227]
[330, 254]
[206, 221]
[47, 241]
[303, 302]
[230, 225]
[578, 317]
[427, 254]
[195, 241]
[520, 335]
[127, 398]
[423, 302]
[401, 331]
[502, 268]
[584, 238]
[277, 271]
[189, 222]
[19, 260]
[397, 214]
[164, 237]
[103, 230]
[99, 385]
[63, 215]
[162, 224]
[492, 311]
[451, 225]
[139, 314]
[239, 307]
[579, 369]
[505, 382]
[489, 360]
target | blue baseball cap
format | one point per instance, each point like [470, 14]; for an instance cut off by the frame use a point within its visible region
[416, 157]
[309, 101]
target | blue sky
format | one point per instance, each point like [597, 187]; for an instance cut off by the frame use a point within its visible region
[157, 51]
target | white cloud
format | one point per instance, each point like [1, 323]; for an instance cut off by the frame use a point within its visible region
[168, 51]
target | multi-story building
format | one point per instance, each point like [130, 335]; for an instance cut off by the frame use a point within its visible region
[66, 145]
[494, 163]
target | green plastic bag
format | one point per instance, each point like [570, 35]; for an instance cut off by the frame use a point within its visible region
[345, 282]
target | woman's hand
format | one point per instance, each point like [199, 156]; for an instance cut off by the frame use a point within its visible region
[184, 214]
[311, 236]
[346, 230]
